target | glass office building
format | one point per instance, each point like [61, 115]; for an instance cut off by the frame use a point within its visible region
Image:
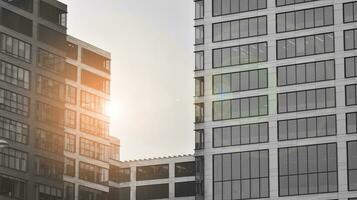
[275, 100]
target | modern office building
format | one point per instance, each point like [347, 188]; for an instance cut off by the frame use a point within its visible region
[276, 103]
[53, 93]
[157, 178]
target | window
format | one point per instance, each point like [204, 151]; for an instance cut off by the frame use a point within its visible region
[243, 175]
[95, 60]
[119, 175]
[15, 48]
[349, 12]
[13, 159]
[225, 7]
[185, 189]
[22, 4]
[147, 192]
[199, 177]
[72, 51]
[15, 103]
[95, 81]
[241, 134]
[50, 114]
[350, 96]
[306, 100]
[240, 108]
[93, 173]
[68, 191]
[53, 14]
[199, 86]
[70, 118]
[306, 72]
[122, 193]
[300, 19]
[49, 168]
[14, 75]
[152, 172]
[352, 165]
[92, 102]
[70, 142]
[199, 113]
[14, 130]
[290, 2]
[199, 9]
[70, 72]
[350, 37]
[94, 126]
[199, 60]
[185, 169]
[16, 22]
[50, 61]
[199, 139]
[69, 167]
[308, 169]
[243, 28]
[13, 188]
[94, 150]
[52, 37]
[351, 122]
[199, 35]
[239, 55]
[56, 90]
[115, 152]
[351, 66]
[305, 46]
[49, 141]
[309, 127]
[45, 192]
[240, 81]
[85, 193]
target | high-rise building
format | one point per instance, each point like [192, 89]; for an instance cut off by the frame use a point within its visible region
[276, 99]
[53, 93]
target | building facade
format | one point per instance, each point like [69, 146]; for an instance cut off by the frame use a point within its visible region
[53, 93]
[157, 178]
[276, 99]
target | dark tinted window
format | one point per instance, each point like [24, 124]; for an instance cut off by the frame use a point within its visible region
[52, 13]
[185, 169]
[23, 4]
[119, 193]
[152, 192]
[152, 172]
[16, 22]
[97, 61]
[185, 189]
[52, 37]
[72, 50]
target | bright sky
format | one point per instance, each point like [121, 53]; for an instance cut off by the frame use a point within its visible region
[152, 70]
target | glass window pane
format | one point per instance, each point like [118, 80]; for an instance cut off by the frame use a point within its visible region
[217, 9]
[291, 76]
[253, 79]
[281, 49]
[217, 58]
[234, 6]
[300, 73]
[226, 132]
[245, 166]
[282, 101]
[291, 102]
[351, 123]
[244, 80]
[217, 32]
[319, 17]
[262, 26]
[283, 130]
[350, 94]
[235, 108]
[320, 98]
[301, 123]
[253, 26]
[236, 166]
[310, 45]
[280, 22]
[218, 191]
[235, 55]
[330, 97]
[301, 100]
[245, 138]
[303, 184]
[350, 67]
[290, 48]
[217, 137]
[263, 105]
[243, 5]
[349, 41]
[235, 29]
[235, 135]
[263, 52]
[312, 183]
[253, 53]
[217, 84]
[226, 57]
[226, 166]
[300, 19]
[217, 110]
[292, 128]
[263, 132]
[290, 21]
[226, 83]
[348, 12]
[217, 175]
[302, 156]
[236, 194]
[328, 15]
[300, 46]
[319, 44]
[226, 31]
[226, 6]
[263, 78]
[283, 183]
[243, 28]
[226, 109]
[254, 133]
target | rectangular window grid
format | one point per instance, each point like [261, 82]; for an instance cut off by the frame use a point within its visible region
[306, 73]
[238, 29]
[306, 100]
[240, 81]
[240, 108]
[243, 175]
[309, 127]
[305, 46]
[308, 169]
[241, 134]
[240, 55]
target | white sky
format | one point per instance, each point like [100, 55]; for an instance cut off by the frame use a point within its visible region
[152, 69]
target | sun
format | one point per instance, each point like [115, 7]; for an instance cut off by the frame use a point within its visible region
[113, 109]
